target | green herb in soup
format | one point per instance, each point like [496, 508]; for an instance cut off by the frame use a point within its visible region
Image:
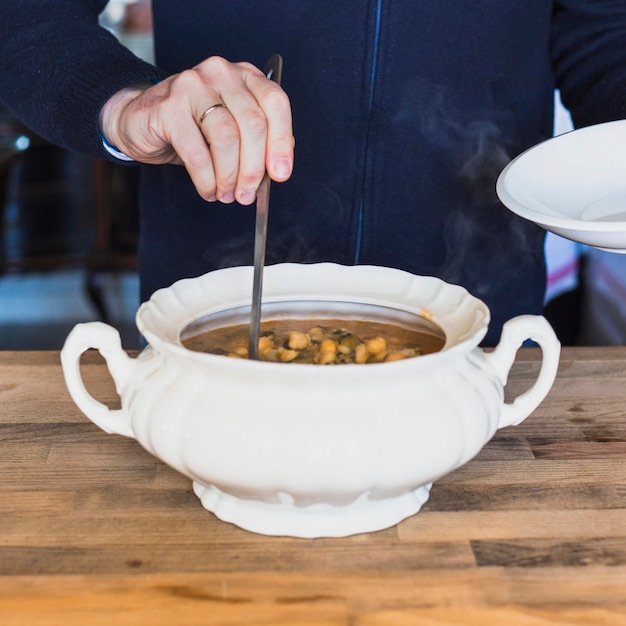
[329, 343]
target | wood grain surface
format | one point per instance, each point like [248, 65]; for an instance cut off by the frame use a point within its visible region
[94, 530]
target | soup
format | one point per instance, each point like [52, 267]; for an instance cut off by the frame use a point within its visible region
[323, 342]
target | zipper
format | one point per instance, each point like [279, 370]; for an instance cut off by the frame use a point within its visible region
[370, 106]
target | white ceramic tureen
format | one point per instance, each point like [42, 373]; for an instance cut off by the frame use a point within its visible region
[312, 450]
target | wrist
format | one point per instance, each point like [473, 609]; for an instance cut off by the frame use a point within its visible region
[110, 113]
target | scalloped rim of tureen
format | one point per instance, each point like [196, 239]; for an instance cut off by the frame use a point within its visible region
[463, 318]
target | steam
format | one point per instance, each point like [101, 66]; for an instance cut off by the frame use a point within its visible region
[481, 236]
[472, 143]
[485, 157]
[290, 239]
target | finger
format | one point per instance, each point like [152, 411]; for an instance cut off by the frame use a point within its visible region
[250, 122]
[192, 149]
[209, 148]
[279, 142]
[198, 162]
[263, 116]
[252, 127]
[221, 133]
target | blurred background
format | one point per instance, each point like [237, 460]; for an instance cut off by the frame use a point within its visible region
[69, 230]
[69, 225]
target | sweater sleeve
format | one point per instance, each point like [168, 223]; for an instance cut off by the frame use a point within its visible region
[58, 67]
[589, 58]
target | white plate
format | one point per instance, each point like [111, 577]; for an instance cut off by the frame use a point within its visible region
[573, 185]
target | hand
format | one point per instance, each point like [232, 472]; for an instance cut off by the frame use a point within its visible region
[227, 153]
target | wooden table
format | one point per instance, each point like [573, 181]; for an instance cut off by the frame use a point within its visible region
[94, 530]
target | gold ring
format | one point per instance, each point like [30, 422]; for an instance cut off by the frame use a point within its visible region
[211, 108]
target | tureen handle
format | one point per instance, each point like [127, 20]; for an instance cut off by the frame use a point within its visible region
[514, 333]
[106, 340]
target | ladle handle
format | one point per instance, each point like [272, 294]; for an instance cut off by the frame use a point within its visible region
[106, 340]
[514, 333]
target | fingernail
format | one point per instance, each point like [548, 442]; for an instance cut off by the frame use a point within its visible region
[213, 198]
[227, 198]
[282, 168]
[246, 197]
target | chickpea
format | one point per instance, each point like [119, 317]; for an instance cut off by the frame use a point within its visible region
[326, 358]
[360, 353]
[316, 334]
[377, 345]
[270, 355]
[395, 356]
[287, 355]
[265, 344]
[328, 345]
[298, 340]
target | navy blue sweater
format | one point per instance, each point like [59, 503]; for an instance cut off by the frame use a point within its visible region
[404, 114]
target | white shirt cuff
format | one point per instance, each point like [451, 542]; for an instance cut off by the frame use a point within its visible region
[113, 151]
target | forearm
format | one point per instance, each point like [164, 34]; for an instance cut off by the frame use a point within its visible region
[58, 68]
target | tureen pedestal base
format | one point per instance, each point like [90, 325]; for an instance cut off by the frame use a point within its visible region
[285, 518]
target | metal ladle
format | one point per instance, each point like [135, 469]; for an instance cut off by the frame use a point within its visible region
[273, 70]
